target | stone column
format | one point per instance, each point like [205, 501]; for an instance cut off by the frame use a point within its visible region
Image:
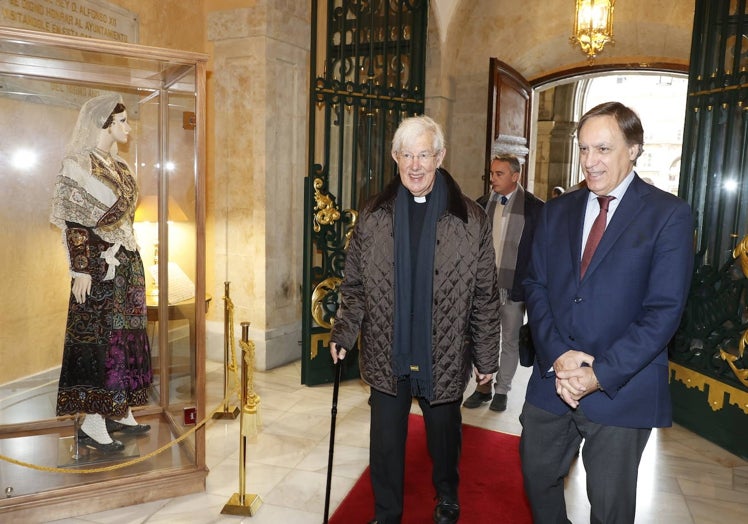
[561, 163]
[260, 90]
[562, 156]
[541, 187]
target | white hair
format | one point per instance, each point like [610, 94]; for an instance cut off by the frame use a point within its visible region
[415, 126]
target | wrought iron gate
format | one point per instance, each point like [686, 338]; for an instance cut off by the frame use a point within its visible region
[709, 356]
[367, 69]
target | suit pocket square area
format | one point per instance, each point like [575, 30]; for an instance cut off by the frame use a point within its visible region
[526, 347]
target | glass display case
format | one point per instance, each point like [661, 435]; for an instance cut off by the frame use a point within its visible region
[44, 80]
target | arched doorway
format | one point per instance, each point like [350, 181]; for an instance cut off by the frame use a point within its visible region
[658, 97]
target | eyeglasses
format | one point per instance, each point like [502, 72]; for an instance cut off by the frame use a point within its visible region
[422, 157]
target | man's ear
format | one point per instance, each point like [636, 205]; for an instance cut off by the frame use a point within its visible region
[635, 152]
[440, 157]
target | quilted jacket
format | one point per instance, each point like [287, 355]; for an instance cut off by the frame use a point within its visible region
[465, 314]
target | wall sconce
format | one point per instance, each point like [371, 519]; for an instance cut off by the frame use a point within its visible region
[593, 26]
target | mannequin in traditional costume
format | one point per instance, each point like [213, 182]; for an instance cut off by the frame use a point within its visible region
[106, 363]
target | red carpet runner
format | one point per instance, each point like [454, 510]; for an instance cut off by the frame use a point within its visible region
[490, 482]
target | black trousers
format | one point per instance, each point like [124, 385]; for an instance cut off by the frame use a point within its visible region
[610, 454]
[389, 429]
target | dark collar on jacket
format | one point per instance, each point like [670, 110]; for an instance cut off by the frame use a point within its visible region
[455, 203]
[482, 200]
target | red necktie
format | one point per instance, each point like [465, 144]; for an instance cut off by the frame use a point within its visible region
[596, 233]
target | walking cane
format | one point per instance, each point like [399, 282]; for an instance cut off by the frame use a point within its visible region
[333, 414]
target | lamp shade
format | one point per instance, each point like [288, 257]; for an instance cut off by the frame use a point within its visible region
[147, 210]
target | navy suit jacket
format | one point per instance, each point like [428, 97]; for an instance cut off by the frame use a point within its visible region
[623, 312]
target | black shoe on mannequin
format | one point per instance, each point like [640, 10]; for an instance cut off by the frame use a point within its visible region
[93, 434]
[113, 447]
[114, 427]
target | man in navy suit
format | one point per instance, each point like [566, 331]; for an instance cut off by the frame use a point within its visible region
[601, 319]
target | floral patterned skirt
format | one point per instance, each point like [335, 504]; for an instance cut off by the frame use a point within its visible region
[106, 362]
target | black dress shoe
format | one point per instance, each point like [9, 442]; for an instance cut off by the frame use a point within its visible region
[476, 399]
[498, 403]
[114, 446]
[114, 427]
[446, 512]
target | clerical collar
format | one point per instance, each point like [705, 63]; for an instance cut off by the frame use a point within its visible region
[421, 199]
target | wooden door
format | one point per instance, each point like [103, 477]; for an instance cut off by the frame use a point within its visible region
[509, 114]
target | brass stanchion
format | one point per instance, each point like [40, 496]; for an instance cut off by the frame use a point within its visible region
[228, 336]
[251, 416]
[241, 503]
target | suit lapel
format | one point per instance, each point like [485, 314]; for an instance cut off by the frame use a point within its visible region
[627, 210]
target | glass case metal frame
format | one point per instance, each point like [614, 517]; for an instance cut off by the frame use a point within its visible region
[165, 94]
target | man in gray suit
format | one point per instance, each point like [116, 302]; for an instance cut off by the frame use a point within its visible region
[513, 212]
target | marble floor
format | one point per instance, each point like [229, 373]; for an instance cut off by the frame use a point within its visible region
[683, 478]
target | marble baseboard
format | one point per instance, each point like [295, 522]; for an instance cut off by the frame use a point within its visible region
[273, 348]
[740, 478]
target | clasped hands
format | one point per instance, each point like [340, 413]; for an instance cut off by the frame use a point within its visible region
[575, 377]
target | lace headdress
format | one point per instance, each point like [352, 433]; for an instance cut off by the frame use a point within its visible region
[91, 119]
[81, 198]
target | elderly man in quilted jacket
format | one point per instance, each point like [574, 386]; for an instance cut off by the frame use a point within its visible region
[420, 288]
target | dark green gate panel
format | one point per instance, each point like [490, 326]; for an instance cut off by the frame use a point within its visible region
[710, 409]
[367, 71]
[709, 361]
